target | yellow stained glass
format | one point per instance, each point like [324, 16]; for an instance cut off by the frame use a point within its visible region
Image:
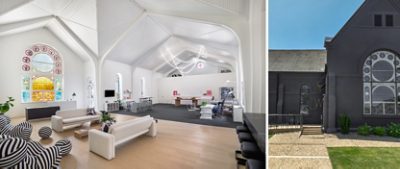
[42, 83]
[42, 96]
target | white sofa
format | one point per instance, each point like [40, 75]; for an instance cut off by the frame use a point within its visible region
[71, 118]
[104, 144]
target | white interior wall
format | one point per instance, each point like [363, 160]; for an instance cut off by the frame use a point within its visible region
[109, 72]
[196, 85]
[90, 74]
[150, 88]
[12, 50]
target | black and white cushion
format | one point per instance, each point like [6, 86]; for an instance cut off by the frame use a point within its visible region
[12, 151]
[4, 120]
[45, 132]
[65, 146]
[35, 148]
[105, 127]
[22, 130]
[6, 129]
[91, 111]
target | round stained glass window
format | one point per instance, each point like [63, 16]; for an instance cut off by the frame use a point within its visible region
[382, 71]
[42, 62]
[383, 93]
[366, 70]
[366, 79]
[369, 62]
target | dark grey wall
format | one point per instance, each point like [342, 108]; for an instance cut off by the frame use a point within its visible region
[347, 53]
[292, 82]
[272, 92]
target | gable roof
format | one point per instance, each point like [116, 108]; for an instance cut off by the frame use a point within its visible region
[297, 60]
[330, 40]
[136, 34]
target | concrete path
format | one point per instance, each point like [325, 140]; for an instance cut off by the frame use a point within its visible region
[288, 151]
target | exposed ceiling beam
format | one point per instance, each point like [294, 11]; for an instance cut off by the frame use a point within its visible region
[149, 54]
[26, 25]
[215, 45]
[12, 4]
[76, 38]
[123, 35]
[159, 25]
[219, 7]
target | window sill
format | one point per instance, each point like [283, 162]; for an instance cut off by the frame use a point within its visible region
[48, 102]
[381, 116]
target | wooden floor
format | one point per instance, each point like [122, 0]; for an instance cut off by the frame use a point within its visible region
[177, 145]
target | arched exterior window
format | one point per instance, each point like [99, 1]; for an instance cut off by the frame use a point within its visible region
[381, 76]
[305, 99]
[42, 79]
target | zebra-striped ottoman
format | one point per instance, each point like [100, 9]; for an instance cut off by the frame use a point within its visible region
[65, 146]
[45, 132]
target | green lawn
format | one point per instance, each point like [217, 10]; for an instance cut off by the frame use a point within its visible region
[364, 157]
[270, 134]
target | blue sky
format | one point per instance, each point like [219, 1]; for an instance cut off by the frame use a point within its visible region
[303, 24]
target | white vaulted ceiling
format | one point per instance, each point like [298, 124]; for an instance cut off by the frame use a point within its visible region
[135, 32]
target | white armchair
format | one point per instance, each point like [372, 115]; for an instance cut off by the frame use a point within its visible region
[104, 144]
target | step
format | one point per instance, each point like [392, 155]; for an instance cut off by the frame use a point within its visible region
[312, 130]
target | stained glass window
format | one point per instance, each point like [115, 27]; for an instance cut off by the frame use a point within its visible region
[381, 76]
[42, 80]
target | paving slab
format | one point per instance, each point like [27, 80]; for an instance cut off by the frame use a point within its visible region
[290, 150]
[299, 163]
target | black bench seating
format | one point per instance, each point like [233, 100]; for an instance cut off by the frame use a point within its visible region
[255, 164]
[250, 150]
[243, 136]
[242, 129]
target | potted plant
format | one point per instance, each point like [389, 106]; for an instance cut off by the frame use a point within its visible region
[5, 107]
[105, 117]
[106, 121]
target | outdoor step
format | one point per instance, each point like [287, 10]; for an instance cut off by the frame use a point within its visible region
[312, 130]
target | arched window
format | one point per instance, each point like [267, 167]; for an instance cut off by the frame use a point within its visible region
[381, 76]
[42, 79]
[305, 99]
[118, 86]
[142, 87]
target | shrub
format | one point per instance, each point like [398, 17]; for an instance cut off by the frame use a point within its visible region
[364, 130]
[344, 123]
[393, 129]
[379, 131]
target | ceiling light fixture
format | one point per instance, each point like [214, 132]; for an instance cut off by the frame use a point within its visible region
[185, 67]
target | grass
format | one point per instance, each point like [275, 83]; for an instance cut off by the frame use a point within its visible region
[364, 157]
[270, 134]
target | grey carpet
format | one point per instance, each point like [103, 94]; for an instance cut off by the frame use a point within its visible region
[181, 114]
